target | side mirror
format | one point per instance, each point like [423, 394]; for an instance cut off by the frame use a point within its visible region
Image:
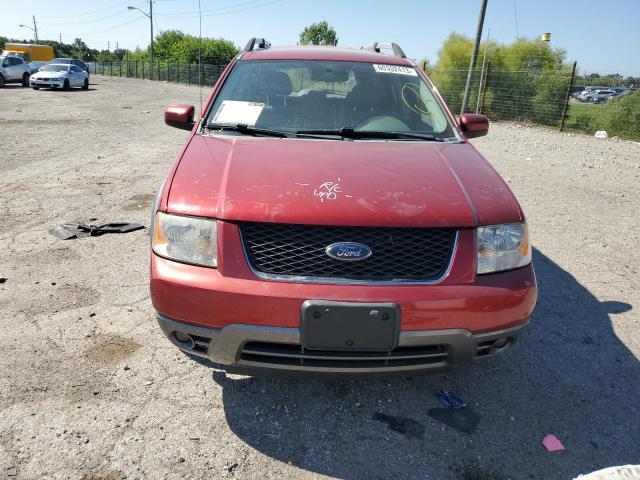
[474, 125]
[179, 116]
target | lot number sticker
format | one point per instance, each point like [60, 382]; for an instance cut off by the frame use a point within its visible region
[395, 69]
[233, 111]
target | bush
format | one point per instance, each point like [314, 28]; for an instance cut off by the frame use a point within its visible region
[583, 122]
[623, 117]
[548, 102]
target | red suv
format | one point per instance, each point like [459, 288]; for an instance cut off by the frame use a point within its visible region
[327, 214]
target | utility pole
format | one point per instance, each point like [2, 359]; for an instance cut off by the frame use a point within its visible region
[151, 22]
[482, 72]
[108, 46]
[150, 17]
[60, 38]
[35, 28]
[474, 56]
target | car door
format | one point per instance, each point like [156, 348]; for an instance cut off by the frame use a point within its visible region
[14, 71]
[73, 75]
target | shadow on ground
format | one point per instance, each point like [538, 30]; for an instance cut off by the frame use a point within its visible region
[569, 375]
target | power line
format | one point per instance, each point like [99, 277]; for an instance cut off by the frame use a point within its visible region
[243, 9]
[223, 10]
[115, 27]
[92, 12]
[184, 14]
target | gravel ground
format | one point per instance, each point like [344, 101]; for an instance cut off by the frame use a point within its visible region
[90, 389]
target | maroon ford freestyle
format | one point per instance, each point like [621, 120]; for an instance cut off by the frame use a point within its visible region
[328, 214]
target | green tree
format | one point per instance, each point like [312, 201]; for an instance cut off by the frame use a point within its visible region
[449, 73]
[174, 46]
[527, 79]
[79, 49]
[319, 34]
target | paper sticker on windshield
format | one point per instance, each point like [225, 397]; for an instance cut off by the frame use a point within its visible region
[233, 111]
[395, 69]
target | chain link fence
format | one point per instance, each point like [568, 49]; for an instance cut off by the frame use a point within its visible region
[549, 97]
[185, 73]
[543, 97]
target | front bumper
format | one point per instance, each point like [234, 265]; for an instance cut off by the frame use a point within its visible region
[253, 348]
[46, 83]
[240, 320]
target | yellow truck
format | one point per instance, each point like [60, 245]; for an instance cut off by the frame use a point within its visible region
[30, 52]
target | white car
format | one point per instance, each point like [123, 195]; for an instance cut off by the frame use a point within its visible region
[13, 70]
[58, 75]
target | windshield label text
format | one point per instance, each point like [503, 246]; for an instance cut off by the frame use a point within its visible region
[395, 69]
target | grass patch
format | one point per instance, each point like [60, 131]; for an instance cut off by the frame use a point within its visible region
[618, 117]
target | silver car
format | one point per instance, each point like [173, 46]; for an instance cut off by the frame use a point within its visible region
[13, 70]
[58, 75]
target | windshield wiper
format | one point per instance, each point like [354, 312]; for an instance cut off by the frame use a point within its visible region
[359, 134]
[245, 129]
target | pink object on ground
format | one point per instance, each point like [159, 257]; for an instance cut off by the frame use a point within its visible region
[552, 443]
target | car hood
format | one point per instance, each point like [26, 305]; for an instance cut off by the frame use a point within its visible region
[327, 182]
[49, 74]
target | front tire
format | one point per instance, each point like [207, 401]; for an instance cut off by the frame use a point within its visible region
[36, 88]
[85, 85]
[25, 80]
[1, 81]
[66, 86]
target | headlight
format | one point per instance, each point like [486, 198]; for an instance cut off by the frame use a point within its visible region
[186, 239]
[503, 247]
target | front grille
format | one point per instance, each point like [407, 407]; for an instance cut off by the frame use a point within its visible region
[399, 254]
[285, 354]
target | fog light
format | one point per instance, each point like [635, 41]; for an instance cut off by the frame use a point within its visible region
[183, 339]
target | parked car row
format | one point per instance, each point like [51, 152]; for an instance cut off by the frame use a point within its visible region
[599, 94]
[61, 73]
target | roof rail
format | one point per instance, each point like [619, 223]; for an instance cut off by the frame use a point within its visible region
[397, 51]
[260, 43]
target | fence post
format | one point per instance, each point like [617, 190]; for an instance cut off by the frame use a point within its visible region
[189, 73]
[167, 72]
[178, 73]
[143, 69]
[567, 96]
[484, 86]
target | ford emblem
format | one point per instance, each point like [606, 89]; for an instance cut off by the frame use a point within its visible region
[349, 251]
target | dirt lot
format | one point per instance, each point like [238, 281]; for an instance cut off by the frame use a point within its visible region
[90, 389]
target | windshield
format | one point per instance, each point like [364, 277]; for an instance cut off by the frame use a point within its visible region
[55, 68]
[321, 96]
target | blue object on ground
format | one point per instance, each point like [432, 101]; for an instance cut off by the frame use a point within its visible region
[449, 399]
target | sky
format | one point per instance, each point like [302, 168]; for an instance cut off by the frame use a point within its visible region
[603, 37]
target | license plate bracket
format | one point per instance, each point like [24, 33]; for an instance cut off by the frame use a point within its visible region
[348, 326]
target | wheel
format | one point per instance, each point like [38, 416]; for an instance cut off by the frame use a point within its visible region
[66, 85]
[1, 81]
[85, 85]
[36, 88]
[25, 80]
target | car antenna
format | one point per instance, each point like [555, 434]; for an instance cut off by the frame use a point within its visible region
[200, 53]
